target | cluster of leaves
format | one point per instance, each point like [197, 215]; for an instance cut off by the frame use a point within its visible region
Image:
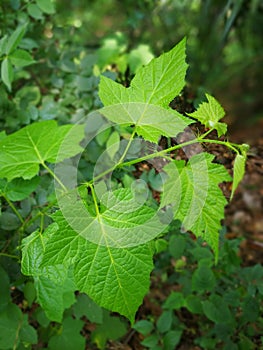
[55, 259]
[212, 307]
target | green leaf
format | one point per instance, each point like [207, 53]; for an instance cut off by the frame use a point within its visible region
[69, 338]
[23, 151]
[3, 43]
[18, 189]
[9, 221]
[197, 200]
[155, 84]
[177, 245]
[112, 93]
[251, 309]
[48, 279]
[29, 292]
[138, 57]
[103, 136]
[238, 172]
[122, 221]
[143, 326]
[162, 79]
[209, 113]
[149, 121]
[47, 6]
[217, 310]
[172, 339]
[28, 334]
[7, 73]
[164, 322]
[2, 135]
[86, 307]
[115, 278]
[112, 328]
[11, 320]
[193, 304]
[151, 341]
[174, 301]
[34, 11]
[113, 144]
[15, 39]
[203, 279]
[21, 58]
[5, 289]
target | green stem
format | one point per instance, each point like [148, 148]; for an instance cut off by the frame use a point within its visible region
[200, 139]
[14, 209]
[127, 147]
[158, 154]
[224, 143]
[54, 176]
[94, 200]
[207, 133]
[9, 256]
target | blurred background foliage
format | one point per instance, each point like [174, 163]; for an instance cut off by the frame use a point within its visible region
[224, 40]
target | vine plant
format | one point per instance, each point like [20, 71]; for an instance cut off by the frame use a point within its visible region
[101, 229]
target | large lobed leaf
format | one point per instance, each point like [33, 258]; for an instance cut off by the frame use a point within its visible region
[157, 83]
[145, 104]
[150, 121]
[193, 191]
[115, 278]
[23, 151]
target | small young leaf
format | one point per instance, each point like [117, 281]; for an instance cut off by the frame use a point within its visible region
[238, 172]
[209, 113]
[47, 6]
[21, 58]
[15, 38]
[7, 73]
[23, 151]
